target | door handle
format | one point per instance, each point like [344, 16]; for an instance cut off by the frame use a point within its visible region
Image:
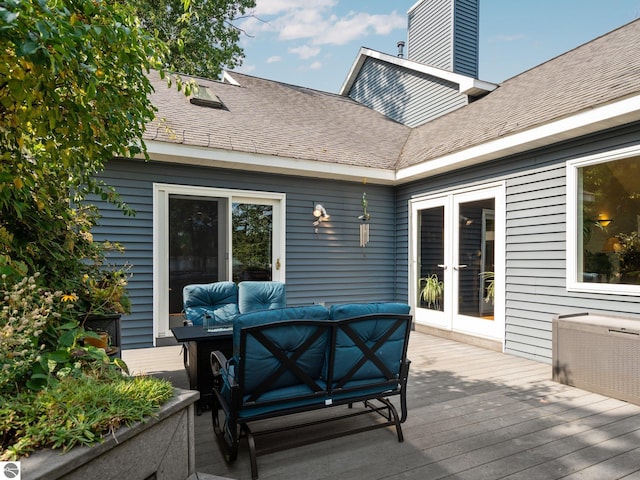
[442, 266]
[460, 267]
[278, 264]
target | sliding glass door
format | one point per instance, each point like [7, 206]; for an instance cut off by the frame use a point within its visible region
[204, 235]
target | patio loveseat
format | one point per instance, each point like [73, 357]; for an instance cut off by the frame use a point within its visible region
[296, 359]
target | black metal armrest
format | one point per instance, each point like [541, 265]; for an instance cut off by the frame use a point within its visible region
[218, 362]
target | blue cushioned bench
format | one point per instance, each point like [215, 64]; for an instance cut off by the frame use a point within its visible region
[296, 359]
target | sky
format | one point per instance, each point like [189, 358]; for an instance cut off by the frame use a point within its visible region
[314, 43]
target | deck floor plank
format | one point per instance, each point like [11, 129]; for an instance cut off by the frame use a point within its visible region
[473, 414]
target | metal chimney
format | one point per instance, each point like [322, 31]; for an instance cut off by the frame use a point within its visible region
[400, 49]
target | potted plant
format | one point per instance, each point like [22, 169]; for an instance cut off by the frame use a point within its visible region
[489, 283]
[432, 291]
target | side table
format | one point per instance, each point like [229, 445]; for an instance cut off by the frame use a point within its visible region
[198, 344]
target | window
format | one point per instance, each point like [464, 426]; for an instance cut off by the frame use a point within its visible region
[604, 213]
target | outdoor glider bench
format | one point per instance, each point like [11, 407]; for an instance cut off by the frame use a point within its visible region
[297, 359]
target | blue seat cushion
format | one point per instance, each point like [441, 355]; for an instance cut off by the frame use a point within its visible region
[254, 296]
[349, 310]
[370, 331]
[260, 363]
[210, 303]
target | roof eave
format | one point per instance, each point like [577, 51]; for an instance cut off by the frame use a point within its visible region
[252, 162]
[583, 123]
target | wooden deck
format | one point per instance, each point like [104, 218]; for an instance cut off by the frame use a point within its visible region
[473, 414]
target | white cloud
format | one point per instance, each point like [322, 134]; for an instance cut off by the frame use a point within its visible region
[274, 59]
[359, 25]
[274, 7]
[315, 66]
[315, 21]
[305, 51]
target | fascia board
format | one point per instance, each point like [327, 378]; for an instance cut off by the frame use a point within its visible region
[583, 123]
[209, 157]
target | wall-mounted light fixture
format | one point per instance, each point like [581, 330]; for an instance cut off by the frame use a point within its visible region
[603, 221]
[321, 215]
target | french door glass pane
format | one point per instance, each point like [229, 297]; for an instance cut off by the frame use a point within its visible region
[431, 258]
[252, 241]
[476, 254]
[193, 244]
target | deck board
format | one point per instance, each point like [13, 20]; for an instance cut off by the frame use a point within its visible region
[473, 414]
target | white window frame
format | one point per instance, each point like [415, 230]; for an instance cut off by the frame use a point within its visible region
[161, 192]
[573, 285]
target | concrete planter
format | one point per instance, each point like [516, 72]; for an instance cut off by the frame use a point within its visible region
[162, 448]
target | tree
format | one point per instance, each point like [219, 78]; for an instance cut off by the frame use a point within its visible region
[200, 35]
[73, 94]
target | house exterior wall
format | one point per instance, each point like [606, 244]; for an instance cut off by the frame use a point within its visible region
[327, 267]
[444, 34]
[409, 97]
[535, 243]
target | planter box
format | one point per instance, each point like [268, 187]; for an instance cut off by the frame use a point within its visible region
[162, 448]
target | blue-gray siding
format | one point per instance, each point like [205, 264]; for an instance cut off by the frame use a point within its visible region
[535, 243]
[327, 267]
[331, 267]
[444, 34]
[406, 96]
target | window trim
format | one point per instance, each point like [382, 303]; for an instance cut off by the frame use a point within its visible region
[572, 166]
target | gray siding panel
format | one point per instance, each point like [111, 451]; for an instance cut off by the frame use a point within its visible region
[328, 267]
[535, 283]
[466, 29]
[431, 34]
[444, 34]
[404, 95]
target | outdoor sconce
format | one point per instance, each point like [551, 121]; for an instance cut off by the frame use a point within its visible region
[321, 215]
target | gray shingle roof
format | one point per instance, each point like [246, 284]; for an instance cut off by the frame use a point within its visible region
[272, 118]
[596, 73]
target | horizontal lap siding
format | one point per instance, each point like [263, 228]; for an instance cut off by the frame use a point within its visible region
[327, 267]
[465, 49]
[409, 97]
[431, 34]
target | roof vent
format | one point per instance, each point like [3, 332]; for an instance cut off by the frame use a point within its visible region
[204, 97]
[401, 49]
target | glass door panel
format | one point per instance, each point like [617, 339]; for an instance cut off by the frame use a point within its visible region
[475, 263]
[196, 253]
[431, 262]
[252, 241]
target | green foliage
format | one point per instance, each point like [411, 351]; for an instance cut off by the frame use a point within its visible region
[251, 236]
[73, 94]
[200, 34]
[489, 283]
[76, 411]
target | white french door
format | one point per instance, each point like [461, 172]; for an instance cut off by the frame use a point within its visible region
[204, 235]
[457, 261]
